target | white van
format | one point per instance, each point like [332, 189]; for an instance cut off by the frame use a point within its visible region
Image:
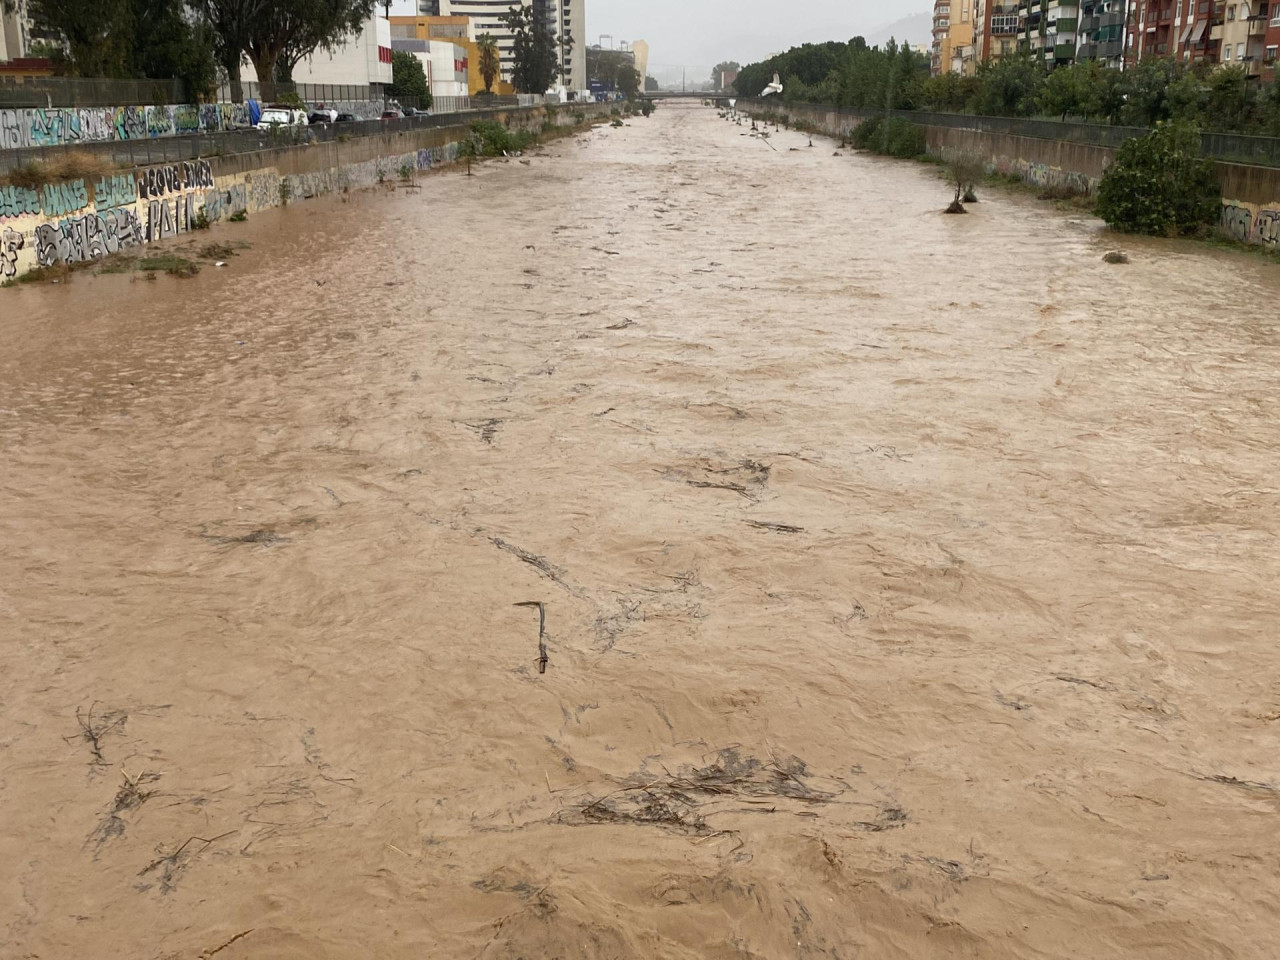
[282, 117]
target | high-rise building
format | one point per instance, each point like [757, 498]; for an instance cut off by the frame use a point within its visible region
[1243, 35]
[565, 18]
[641, 49]
[940, 59]
[953, 47]
[996, 25]
[15, 31]
[1048, 30]
[1101, 35]
[1189, 30]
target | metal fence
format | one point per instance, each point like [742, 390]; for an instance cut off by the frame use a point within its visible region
[88, 92]
[311, 93]
[138, 153]
[1230, 147]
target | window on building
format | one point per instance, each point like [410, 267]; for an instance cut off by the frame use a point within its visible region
[1239, 51]
[1226, 53]
[1231, 13]
[1271, 54]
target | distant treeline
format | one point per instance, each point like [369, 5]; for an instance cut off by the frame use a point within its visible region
[853, 75]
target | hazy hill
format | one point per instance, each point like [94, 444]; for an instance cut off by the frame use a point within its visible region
[916, 29]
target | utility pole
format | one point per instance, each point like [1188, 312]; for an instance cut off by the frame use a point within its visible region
[683, 71]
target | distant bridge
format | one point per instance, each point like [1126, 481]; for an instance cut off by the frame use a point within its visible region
[687, 95]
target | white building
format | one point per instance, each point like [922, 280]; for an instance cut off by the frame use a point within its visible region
[15, 32]
[444, 63]
[567, 18]
[364, 60]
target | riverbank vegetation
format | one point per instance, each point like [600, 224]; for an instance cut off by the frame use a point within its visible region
[855, 76]
[1160, 185]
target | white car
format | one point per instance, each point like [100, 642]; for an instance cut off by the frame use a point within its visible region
[273, 117]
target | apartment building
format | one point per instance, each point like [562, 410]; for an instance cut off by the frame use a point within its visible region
[1101, 33]
[1243, 35]
[1048, 28]
[996, 27]
[953, 48]
[1189, 30]
[566, 18]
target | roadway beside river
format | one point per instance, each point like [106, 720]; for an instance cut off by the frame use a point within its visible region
[909, 580]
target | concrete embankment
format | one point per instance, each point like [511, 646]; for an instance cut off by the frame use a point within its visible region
[1250, 194]
[76, 219]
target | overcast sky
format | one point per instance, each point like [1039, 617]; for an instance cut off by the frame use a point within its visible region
[701, 33]
[705, 32]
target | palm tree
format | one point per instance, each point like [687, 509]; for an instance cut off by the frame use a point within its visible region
[488, 48]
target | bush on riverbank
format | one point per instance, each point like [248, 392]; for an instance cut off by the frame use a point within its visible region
[1160, 185]
[894, 138]
[491, 139]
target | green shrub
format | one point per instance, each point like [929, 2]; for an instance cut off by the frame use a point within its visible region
[491, 139]
[903, 139]
[647, 107]
[1160, 185]
[867, 133]
[895, 137]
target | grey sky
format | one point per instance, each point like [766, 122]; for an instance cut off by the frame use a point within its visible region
[701, 33]
[704, 32]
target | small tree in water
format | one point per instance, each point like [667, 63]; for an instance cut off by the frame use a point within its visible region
[964, 170]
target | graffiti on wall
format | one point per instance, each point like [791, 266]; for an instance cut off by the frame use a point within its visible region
[11, 242]
[223, 203]
[88, 237]
[60, 199]
[1248, 223]
[81, 220]
[18, 202]
[175, 178]
[55, 126]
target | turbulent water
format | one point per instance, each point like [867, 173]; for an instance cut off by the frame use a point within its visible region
[910, 581]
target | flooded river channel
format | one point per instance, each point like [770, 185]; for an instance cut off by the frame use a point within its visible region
[910, 581]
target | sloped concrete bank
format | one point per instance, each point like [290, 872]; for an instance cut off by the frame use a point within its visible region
[1250, 194]
[86, 218]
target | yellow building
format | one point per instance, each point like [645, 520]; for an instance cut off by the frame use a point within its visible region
[954, 48]
[458, 31]
[641, 49]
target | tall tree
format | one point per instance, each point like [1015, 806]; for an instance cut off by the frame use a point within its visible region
[126, 39]
[286, 31]
[230, 22]
[489, 60]
[720, 69]
[409, 80]
[629, 82]
[98, 35]
[171, 40]
[533, 50]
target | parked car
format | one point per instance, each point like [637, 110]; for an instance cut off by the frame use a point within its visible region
[282, 116]
[346, 118]
[322, 116]
[392, 115]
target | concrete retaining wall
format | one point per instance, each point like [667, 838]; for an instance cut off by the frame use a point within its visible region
[1250, 194]
[86, 219]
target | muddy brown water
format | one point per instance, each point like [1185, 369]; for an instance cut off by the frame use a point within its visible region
[910, 580]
